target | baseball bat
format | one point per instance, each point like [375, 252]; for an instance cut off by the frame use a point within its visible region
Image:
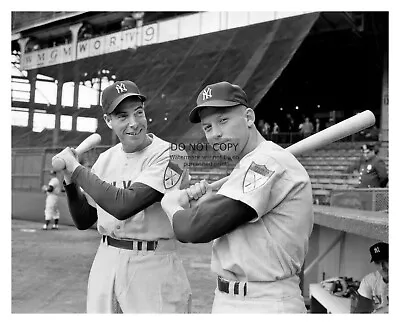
[336, 132]
[87, 144]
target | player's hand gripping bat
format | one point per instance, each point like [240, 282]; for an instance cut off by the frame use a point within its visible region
[90, 142]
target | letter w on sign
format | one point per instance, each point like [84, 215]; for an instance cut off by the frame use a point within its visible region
[256, 176]
[172, 175]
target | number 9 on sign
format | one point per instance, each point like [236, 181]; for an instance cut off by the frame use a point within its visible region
[150, 34]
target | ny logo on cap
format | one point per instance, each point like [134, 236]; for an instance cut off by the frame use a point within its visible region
[376, 250]
[121, 88]
[207, 93]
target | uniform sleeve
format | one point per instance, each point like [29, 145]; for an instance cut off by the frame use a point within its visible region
[261, 185]
[120, 203]
[83, 214]
[89, 199]
[365, 288]
[211, 219]
[167, 172]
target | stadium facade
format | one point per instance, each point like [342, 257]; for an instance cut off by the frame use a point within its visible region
[315, 64]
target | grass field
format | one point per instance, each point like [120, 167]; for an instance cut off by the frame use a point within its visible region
[50, 269]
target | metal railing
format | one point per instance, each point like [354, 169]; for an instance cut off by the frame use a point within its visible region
[371, 199]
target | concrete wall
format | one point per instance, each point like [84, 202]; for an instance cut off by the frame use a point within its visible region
[29, 205]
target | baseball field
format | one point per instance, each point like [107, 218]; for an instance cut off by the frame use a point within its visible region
[50, 269]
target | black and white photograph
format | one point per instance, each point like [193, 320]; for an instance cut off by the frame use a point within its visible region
[200, 162]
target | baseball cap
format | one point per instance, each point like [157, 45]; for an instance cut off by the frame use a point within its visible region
[379, 252]
[117, 92]
[221, 94]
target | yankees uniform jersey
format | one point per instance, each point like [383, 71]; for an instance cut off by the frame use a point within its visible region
[268, 197]
[373, 287]
[274, 244]
[133, 280]
[151, 166]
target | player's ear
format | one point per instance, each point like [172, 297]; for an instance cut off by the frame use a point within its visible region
[250, 116]
[107, 119]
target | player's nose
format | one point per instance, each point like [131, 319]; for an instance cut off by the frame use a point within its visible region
[132, 121]
[216, 132]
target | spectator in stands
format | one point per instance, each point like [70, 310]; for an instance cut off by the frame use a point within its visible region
[317, 125]
[307, 128]
[51, 211]
[373, 293]
[290, 123]
[330, 122]
[265, 130]
[275, 132]
[260, 125]
[372, 169]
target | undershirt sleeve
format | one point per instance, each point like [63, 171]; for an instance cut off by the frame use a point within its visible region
[211, 219]
[120, 203]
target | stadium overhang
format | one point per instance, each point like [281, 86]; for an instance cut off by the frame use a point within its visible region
[88, 67]
[172, 73]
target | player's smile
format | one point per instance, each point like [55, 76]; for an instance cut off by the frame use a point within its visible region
[134, 133]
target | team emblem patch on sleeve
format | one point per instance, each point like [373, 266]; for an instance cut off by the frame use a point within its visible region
[172, 175]
[255, 177]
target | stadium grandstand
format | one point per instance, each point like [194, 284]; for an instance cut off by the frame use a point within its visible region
[292, 65]
[325, 65]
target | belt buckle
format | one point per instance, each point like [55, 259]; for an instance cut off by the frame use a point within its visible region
[224, 285]
[147, 245]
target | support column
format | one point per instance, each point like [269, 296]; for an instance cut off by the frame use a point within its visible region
[74, 32]
[76, 97]
[57, 111]
[384, 134]
[99, 93]
[22, 44]
[32, 75]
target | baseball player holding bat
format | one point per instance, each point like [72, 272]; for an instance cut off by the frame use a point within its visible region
[136, 268]
[260, 219]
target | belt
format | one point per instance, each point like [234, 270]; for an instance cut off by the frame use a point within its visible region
[131, 244]
[223, 285]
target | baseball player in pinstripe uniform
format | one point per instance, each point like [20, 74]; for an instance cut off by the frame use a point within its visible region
[136, 268]
[260, 219]
[51, 211]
